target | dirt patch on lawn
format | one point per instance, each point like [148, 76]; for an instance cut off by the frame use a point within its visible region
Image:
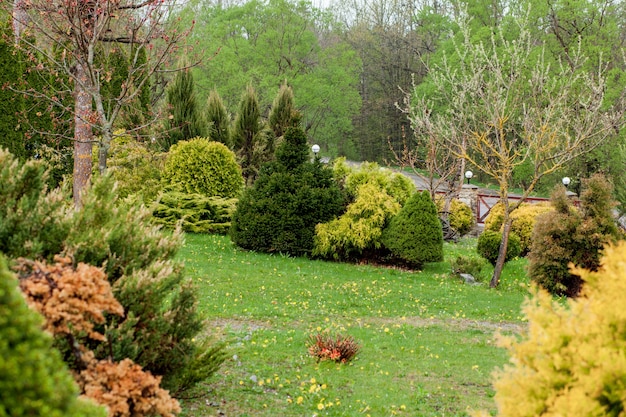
[458, 323]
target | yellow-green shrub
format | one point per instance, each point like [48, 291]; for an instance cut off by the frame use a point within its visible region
[570, 361]
[135, 168]
[523, 221]
[200, 166]
[461, 217]
[196, 213]
[359, 228]
[398, 186]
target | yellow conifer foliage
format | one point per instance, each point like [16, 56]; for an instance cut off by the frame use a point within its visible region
[571, 361]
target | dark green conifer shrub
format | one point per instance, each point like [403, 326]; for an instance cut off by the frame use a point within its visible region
[414, 235]
[280, 211]
[34, 381]
[196, 213]
[488, 246]
[184, 121]
[199, 166]
[566, 236]
[161, 319]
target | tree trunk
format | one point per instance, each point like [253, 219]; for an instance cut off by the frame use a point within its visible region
[82, 135]
[504, 244]
[20, 17]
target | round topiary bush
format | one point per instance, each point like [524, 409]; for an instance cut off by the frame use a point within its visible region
[199, 166]
[489, 245]
[414, 234]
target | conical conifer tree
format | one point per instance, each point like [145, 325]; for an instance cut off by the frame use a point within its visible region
[217, 115]
[283, 111]
[292, 195]
[249, 136]
[414, 234]
[184, 120]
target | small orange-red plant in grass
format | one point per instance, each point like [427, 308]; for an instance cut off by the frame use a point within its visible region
[336, 348]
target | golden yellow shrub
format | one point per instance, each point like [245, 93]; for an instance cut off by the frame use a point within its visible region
[571, 361]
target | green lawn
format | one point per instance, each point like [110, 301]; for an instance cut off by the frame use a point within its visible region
[427, 339]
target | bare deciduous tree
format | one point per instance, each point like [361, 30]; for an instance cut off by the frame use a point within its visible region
[506, 105]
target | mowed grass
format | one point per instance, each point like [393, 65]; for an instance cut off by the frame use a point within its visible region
[427, 340]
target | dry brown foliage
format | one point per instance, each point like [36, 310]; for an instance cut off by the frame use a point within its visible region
[125, 388]
[71, 299]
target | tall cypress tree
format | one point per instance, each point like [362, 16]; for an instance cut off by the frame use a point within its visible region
[249, 137]
[184, 119]
[283, 111]
[217, 115]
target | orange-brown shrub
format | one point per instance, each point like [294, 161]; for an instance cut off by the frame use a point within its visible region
[125, 388]
[338, 348]
[71, 299]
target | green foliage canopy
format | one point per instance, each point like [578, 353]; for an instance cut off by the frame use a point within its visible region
[265, 43]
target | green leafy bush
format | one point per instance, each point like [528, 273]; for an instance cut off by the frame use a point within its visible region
[358, 232]
[199, 166]
[469, 265]
[570, 359]
[195, 213]
[34, 381]
[280, 211]
[414, 234]
[488, 246]
[523, 221]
